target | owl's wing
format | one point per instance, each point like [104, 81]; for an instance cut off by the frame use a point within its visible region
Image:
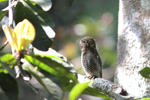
[99, 61]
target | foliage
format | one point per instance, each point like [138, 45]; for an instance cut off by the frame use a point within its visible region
[145, 72]
[2, 14]
[77, 90]
[52, 72]
[2, 0]
[9, 86]
[40, 20]
[22, 36]
[145, 99]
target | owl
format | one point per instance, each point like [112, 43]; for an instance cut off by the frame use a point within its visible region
[90, 60]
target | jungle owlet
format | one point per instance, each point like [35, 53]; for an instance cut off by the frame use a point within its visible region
[90, 60]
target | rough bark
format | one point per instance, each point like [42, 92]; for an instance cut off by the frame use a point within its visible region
[114, 91]
[133, 51]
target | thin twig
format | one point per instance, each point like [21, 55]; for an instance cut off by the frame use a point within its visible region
[10, 6]
[4, 46]
[10, 14]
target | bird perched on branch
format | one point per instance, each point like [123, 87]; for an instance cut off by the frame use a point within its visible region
[90, 60]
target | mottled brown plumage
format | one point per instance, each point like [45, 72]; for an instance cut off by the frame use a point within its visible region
[90, 60]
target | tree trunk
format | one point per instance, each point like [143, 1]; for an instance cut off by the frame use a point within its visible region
[133, 51]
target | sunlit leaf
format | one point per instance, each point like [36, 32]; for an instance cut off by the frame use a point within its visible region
[33, 3]
[77, 90]
[6, 63]
[23, 34]
[9, 86]
[145, 99]
[3, 0]
[55, 66]
[8, 58]
[11, 36]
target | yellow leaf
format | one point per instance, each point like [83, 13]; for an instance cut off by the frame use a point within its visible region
[26, 33]
[11, 36]
[23, 34]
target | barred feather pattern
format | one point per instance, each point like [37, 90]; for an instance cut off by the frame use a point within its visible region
[90, 60]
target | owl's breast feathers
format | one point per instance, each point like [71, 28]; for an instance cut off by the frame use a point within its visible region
[91, 62]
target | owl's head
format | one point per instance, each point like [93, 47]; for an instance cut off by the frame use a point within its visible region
[87, 42]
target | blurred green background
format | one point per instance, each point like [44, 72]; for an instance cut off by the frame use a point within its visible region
[95, 18]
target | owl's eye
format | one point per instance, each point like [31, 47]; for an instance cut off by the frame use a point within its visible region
[91, 41]
[83, 41]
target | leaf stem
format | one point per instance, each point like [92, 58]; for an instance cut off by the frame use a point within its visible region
[4, 46]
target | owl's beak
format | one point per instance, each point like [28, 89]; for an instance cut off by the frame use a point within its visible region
[87, 45]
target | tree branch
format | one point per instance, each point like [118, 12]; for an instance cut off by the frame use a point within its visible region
[10, 14]
[108, 88]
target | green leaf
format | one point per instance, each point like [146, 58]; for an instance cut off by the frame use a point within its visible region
[44, 4]
[48, 81]
[3, 0]
[33, 3]
[77, 90]
[55, 66]
[7, 69]
[145, 72]
[9, 86]
[8, 58]
[2, 14]
[69, 2]
[6, 63]
[40, 20]
[145, 99]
